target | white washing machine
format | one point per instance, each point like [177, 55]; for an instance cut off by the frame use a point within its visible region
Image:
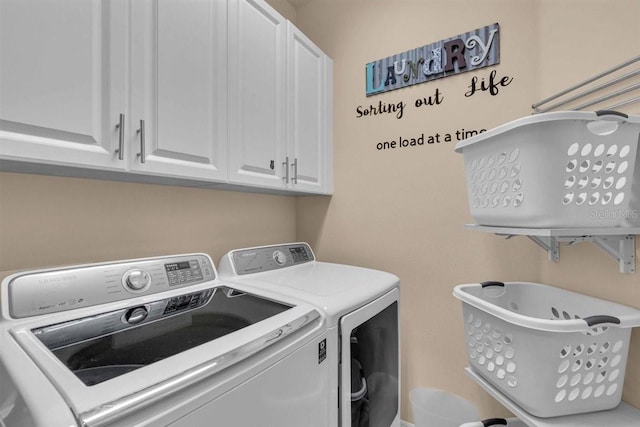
[157, 342]
[361, 307]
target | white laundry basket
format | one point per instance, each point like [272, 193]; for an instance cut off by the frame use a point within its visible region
[552, 352]
[555, 170]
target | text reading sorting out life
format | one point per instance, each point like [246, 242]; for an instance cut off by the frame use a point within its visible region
[491, 85]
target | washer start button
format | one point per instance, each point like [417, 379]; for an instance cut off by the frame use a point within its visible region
[137, 280]
[280, 257]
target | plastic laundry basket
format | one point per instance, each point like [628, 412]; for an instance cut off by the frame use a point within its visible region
[555, 170]
[552, 352]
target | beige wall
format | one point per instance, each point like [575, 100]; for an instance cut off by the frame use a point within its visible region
[285, 8]
[403, 210]
[47, 221]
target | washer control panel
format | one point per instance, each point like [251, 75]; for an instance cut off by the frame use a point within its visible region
[180, 273]
[267, 258]
[51, 291]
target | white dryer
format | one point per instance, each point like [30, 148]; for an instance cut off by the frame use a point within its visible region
[361, 306]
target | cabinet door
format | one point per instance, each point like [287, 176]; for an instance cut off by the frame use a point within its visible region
[308, 77]
[62, 81]
[179, 88]
[256, 94]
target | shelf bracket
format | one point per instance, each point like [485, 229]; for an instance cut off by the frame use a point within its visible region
[617, 243]
[620, 248]
[549, 244]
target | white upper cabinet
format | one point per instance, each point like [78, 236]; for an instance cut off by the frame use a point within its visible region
[62, 81]
[257, 97]
[309, 76]
[279, 103]
[178, 104]
[197, 92]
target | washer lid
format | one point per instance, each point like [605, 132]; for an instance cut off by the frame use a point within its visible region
[100, 347]
[140, 386]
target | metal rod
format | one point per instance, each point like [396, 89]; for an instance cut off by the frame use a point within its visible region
[611, 95]
[142, 153]
[286, 170]
[586, 82]
[590, 91]
[623, 103]
[120, 127]
[294, 180]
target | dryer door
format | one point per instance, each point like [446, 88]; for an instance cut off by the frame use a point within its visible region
[370, 364]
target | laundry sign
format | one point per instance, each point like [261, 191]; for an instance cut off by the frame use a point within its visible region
[465, 52]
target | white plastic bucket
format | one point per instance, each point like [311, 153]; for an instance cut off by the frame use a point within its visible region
[437, 408]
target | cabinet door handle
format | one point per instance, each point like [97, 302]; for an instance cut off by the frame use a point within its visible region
[286, 170]
[120, 127]
[142, 153]
[294, 180]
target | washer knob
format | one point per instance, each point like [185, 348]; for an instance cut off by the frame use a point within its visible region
[136, 315]
[137, 280]
[280, 257]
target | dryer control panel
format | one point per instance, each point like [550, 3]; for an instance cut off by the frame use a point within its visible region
[267, 258]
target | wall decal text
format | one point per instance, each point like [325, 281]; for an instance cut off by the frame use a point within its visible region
[493, 85]
[490, 85]
[422, 139]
